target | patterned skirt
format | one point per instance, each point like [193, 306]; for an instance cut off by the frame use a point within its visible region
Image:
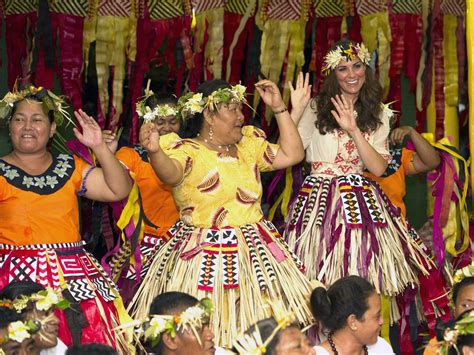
[240, 269]
[346, 225]
[82, 280]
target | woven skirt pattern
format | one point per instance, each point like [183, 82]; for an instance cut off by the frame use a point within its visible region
[240, 269]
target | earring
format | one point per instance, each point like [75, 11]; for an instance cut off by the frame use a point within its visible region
[211, 133]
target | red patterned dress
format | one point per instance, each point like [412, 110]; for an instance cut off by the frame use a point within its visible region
[40, 241]
[222, 247]
[342, 223]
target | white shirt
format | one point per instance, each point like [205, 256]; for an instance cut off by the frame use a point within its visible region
[381, 347]
[59, 349]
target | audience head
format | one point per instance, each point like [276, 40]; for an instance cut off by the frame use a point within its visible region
[350, 305]
[91, 349]
[39, 305]
[457, 336]
[15, 335]
[276, 338]
[463, 290]
[167, 333]
[161, 109]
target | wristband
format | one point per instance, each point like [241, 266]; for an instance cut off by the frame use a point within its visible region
[281, 111]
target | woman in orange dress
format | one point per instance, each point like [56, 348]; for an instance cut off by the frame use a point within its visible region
[40, 233]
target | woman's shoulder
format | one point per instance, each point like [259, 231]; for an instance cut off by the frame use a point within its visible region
[253, 132]
[380, 347]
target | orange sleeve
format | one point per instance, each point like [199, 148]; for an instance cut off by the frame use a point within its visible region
[81, 165]
[129, 157]
[407, 155]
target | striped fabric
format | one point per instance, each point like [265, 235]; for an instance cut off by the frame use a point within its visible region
[329, 8]
[165, 9]
[284, 9]
[237, 6]
[203, 5]
[367, 7]
[70, 7]
[15, 7]
[453, 7]
[118, 8]
[406, 6]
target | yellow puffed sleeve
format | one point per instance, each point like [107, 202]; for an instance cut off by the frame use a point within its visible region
[181, 150]
[255, 147]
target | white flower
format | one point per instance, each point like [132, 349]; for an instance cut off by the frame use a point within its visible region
[195, 104]
[46, 302]
[11, 174]
[63, 165]
[27, 181]
[191, 316]
[18, 331]
[65, 157]
[239, 92]
[158, 325]
[59, 172]
[39, 181]
[51, 181]
[149, 116]
[363, 53]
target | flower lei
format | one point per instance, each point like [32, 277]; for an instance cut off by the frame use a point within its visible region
[150, 115]
[332, 59]
[461, 274]
[192, 103]
[19, 331]
[50, 102]
[253, 343]
[43, 300]
[463, 326]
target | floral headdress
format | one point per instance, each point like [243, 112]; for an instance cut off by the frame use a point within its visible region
[43, 300]
[19, 331]
[332, 59]
[253, 344]
[192, 318]
[463, 326]
[192, 103]
[50, 102]
[461, 274]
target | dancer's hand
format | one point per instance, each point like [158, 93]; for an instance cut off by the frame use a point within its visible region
[345, 115]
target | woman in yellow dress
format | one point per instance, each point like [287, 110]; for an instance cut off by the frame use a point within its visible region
[222, 247]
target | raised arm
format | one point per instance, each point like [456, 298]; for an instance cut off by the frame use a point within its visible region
[168, 170]
[291, 149]
[300, 96]
[110, 182]
[426, 157]
[344, 115]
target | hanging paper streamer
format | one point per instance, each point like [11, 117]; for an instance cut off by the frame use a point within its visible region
[470, 71]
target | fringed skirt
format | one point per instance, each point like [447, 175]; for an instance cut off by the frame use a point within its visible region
[96, 307]
[240, 269]
[346, 225]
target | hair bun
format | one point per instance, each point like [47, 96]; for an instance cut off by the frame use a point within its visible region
[320, 304]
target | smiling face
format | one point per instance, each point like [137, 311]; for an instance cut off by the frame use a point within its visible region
[464, 300]
[350, 76]
[368, 327]
[30, 128]
[227, 123]
[167, 124]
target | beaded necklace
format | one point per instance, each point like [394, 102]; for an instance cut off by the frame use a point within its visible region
[333, 346]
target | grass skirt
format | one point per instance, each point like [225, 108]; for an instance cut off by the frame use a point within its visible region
[240, 269]
[69, 267]
[346, 225]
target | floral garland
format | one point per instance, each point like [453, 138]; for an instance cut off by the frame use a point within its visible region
[464, 326]
[461, 274]
[192, 318]
[332, 59]
[19, 331]
[253, 343]
[43, 300]
[192, 103]
[50, 102]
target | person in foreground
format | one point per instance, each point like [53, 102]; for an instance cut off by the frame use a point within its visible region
[350, 313]
[223, 247]
[39, 233]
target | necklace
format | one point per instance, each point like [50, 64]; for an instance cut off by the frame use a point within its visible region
[333, 346]
[226, 147]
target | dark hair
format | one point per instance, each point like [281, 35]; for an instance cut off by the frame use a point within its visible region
[8, 315]
[467, 281]
[368, 105]
[346, 296]
[169, 303]
[36, 98]
[462, 340]
[193, 124]
[16, 289]
[91, 349]
[266, 327]
[162, 98]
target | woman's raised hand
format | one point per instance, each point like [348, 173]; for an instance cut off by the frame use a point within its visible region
[270, 94]
[91, 135]
[345, 115]
[150, 138]
[301, 94]
[111, 139]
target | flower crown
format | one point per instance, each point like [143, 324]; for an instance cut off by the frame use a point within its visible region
[192, 103]
[463, 326]
[50, 102]
[19, 331]
[43, 300]
[461, 274]
[192, 318]
[253, 344]
[332, 59]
